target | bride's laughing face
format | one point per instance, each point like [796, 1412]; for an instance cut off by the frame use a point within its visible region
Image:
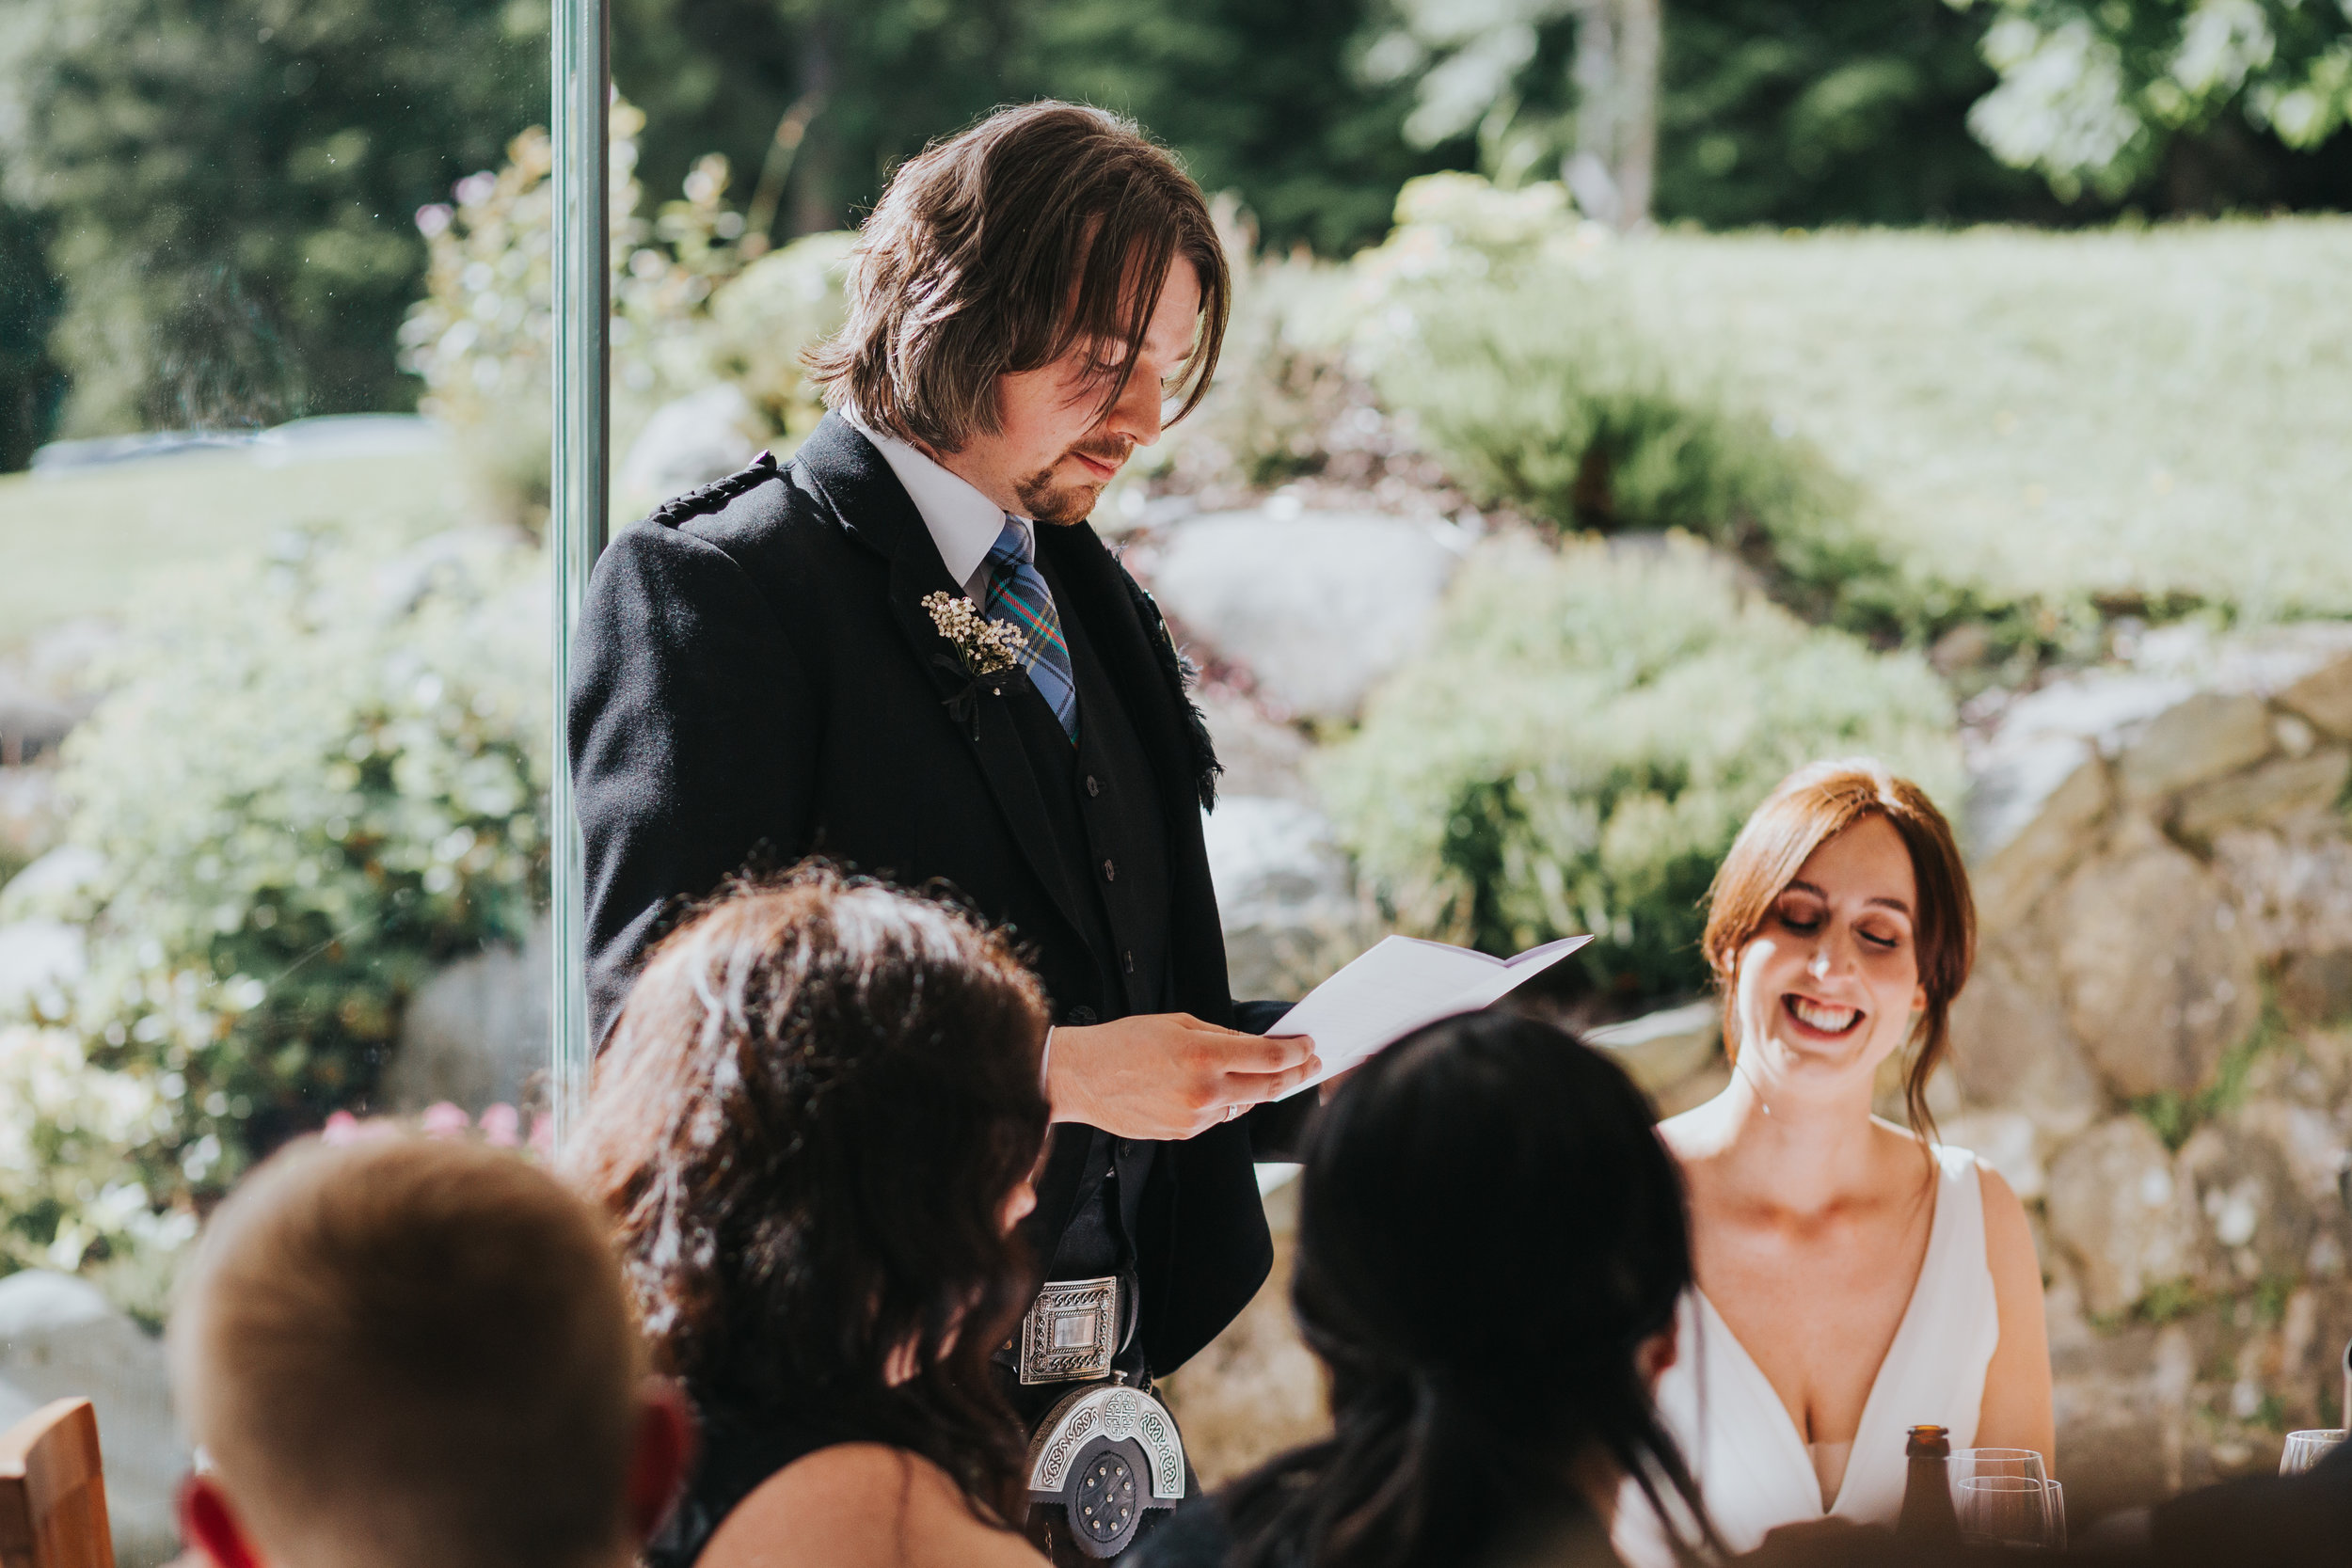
[1830, 984]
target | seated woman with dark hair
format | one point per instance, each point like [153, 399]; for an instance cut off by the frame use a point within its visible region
[813, 1128]
[1491, 1243]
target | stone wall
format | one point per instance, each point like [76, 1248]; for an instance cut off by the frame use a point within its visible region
[2156, 1048]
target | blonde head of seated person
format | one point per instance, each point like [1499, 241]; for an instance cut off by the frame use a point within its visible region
[814, 1125]
[411, 1353]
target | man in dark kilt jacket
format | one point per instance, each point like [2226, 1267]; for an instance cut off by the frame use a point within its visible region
[798, 659]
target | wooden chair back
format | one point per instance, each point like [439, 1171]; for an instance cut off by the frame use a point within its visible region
[53, 1491]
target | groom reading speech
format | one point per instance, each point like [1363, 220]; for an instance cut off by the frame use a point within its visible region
[905, 650]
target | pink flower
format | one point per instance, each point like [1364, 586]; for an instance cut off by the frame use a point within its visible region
[542, 1135]
[502, 1124]
[443, 1119]
[341, 1128]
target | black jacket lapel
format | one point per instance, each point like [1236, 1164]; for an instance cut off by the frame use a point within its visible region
[876, 509]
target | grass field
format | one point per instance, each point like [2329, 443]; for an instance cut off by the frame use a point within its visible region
[2123, 414]
[82, 543]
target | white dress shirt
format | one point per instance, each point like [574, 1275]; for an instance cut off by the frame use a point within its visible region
[964, 524]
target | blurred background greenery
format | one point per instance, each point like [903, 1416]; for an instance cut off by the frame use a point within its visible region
[209, 208]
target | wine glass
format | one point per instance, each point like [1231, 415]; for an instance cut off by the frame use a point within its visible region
[2307, 1448]
[2056, 1491]
[1969, 1463]
[2006, 1510]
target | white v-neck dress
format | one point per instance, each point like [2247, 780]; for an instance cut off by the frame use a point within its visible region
[1748, 1457]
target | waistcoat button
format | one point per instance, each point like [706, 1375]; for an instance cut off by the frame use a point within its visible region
[1094, 786]
[1130, 956]
[1110, 871]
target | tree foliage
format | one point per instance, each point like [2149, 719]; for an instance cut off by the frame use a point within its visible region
[232, 182]
[1263, 101]
[32, 383]
[2101, 96]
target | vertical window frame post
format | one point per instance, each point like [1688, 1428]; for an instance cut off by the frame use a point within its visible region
[579, 39]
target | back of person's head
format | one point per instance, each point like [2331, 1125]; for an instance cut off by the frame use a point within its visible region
[410, 1353]
[814, 1109]
[1491, 1242]
[993, 251]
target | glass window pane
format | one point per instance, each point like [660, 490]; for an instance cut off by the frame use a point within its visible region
[276, 334]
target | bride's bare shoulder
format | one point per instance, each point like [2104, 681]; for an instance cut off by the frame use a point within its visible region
[862, 1505]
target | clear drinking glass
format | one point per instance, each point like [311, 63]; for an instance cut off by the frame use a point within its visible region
[1967, 1463]
[2009, 1511]
[2307, 1448]
[2056, 1492]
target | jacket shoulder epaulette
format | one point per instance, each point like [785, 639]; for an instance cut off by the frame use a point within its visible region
[710, 497]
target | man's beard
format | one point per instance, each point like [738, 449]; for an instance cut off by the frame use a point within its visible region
[1047, 501]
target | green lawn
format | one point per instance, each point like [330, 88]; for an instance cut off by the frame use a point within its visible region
[82, 545]
[2122, 413]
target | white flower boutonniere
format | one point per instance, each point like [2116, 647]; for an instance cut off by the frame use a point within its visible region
[985, 651]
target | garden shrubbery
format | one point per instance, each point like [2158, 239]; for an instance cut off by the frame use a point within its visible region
[313, 779]
[1495, 319]
[1584, 734]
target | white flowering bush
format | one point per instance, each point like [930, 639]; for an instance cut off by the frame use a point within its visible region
[314, 778]
[1586, 734]
[72, 1195]
[694, 301]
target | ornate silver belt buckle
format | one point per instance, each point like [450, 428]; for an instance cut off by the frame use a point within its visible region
[1105, 1455]
[1071, 1331]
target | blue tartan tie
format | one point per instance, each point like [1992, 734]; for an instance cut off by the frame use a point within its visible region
[1017, 594]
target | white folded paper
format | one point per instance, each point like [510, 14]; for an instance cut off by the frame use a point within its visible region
[1401, 984]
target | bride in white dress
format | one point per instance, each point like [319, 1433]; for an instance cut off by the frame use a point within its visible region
[1854, 1279]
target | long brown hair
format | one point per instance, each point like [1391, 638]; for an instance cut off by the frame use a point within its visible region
[814, 1106]
[998, 250]
[1809, 808]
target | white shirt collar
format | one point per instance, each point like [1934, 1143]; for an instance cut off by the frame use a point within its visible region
[964, 524]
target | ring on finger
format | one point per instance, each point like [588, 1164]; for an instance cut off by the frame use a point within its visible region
[1232, 1111]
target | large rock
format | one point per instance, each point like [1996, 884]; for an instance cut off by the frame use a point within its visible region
[689, 441]
[2012, 1050]
[477, 1032]
[2293, 886]
[2125, 1218]
[2315, 988]
[60, 1337]
[2032, 803]
[2258, 1213]
[1261, 756]
[31, 818]
[1662, 1050]
[2121, 1404]
[2325, 695]
[2159, 972]
[37, 957]
[2280, 788]
[1286, 894]
[2207, 736]
[1256, 1389]
[32, 723]
[1318, 606]
[2005, 1140]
